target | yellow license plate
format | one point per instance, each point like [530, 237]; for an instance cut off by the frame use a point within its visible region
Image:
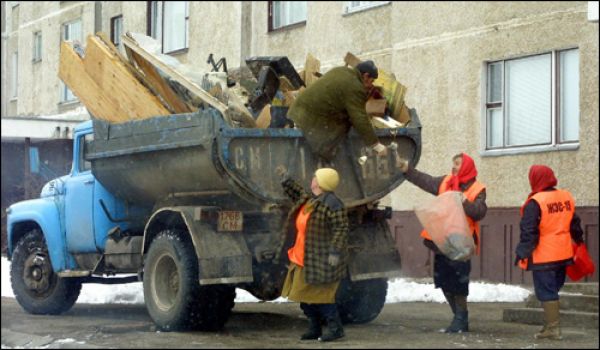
[230, 221]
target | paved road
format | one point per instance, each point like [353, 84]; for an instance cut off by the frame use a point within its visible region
[273, 325]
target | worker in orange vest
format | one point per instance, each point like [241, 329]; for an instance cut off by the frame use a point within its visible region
[548, 223]
[453, 276]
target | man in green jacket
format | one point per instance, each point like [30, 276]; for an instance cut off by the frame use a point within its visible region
[327, 109]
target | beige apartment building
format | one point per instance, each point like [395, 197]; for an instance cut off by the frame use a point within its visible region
[512, 84]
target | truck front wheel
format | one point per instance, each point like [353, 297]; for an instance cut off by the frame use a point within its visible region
[37, 288]
[174, 298]
[361, 301]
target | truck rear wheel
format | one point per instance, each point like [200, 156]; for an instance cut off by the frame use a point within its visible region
[174, 298]
[361, 301]
[37, 288]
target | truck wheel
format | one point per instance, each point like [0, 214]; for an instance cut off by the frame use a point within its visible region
[361, 301]
[37, 288]
[174, 298]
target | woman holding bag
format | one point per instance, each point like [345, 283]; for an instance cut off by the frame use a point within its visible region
[453, 276]
[548, 223]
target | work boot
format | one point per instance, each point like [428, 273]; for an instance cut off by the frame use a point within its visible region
[314, 329]
[551, 329]
[334, 328]
[460, 322]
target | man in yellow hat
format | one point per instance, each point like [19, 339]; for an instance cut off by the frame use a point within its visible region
[318, 258]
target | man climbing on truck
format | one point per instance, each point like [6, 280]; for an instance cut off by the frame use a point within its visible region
[327, 109]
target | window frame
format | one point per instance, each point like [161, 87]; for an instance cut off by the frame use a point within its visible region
[64, 92]
[284, 27]
[14, 80]
[114, 38]
[349, 9]
[149, 28]
[555, 144]
[37, 56]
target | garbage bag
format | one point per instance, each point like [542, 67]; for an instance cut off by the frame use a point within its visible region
[583, 265]
[445, 221]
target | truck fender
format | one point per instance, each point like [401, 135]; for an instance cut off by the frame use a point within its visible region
[223, 257]
[43, 214]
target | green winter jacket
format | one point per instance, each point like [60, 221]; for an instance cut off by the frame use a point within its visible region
[327, 109]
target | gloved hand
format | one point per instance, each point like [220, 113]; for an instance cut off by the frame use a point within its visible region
[403, 165]
[517, 259]
[333, 259]
[380, 149]
[281, 171]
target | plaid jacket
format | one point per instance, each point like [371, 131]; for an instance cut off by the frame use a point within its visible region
[326, 232]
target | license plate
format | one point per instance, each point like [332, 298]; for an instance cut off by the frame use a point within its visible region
[230, 221]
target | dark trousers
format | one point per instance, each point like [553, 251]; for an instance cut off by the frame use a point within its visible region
[320, 311]
[451, 276]
[547, 283]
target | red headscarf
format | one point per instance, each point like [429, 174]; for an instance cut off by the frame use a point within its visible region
[541, 177]
[466, 172]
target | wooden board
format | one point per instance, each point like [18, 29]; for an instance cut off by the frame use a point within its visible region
[394, 93]
[130, 43]
[351, 60]
[73, 74]
[112, 77]
[148, 78]
[312, 66]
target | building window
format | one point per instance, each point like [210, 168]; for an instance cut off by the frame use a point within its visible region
[169, 24]
[116, 29]
[286, 13]
[14, 76]
[72, 33]
[533, 101]
[355, 6]
[37, 46]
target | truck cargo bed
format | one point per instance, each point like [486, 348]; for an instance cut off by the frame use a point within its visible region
[197, 156]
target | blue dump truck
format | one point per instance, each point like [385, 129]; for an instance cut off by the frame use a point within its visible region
[193, 208]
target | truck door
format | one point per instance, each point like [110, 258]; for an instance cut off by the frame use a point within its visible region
[79, 201]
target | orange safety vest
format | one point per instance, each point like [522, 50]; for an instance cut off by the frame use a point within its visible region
[471, 193]
[296, 253]
[557, 209]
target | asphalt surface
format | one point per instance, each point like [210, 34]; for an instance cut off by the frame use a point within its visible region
[275, 325]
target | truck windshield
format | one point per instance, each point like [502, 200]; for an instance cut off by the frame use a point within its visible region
[85, 141]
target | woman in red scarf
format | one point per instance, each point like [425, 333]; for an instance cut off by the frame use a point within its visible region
[548, 223]
[453, 276]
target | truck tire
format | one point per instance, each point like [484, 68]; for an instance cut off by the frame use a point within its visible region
[37, 288]
[174, 298]
[361, 301]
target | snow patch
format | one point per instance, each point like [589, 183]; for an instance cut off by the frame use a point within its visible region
[399, 291]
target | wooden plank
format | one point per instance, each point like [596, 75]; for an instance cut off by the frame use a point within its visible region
[73, 74]
[351, 60]
[112, 77]
[170, 100]
[311, 69]
[174, 74]
[164, 90]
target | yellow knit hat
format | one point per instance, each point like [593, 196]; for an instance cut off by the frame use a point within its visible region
[327, 178]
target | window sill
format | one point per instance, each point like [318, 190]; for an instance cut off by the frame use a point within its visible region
[13, 99]
[288, 27]
[36, 60]
[349, 11]
[532, 149]
[64, 106]
[177, 52]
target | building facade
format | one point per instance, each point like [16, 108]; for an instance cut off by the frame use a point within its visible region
[512, 84]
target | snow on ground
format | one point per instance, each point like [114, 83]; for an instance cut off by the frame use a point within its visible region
[399, 290]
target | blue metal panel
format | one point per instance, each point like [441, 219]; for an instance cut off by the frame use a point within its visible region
[45, 213]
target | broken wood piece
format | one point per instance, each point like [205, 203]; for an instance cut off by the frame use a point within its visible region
[285, 84]
[382, 123]
[174, 74]
[351, 60]
[105, 86]
[404, 116]
[311, 66]
[264, 118]
[376, 107]
[393, 91]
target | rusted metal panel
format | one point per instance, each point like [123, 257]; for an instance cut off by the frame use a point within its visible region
[499, 238]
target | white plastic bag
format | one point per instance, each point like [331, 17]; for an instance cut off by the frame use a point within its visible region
[445, 221]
